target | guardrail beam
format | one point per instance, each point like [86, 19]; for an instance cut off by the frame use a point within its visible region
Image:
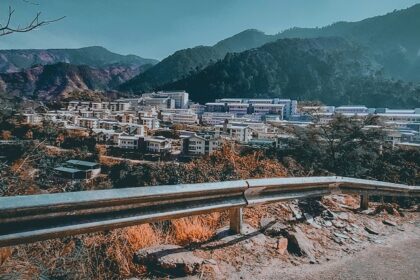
[30, 218]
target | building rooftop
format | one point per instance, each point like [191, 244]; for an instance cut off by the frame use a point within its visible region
[67, 169]
[82, 163]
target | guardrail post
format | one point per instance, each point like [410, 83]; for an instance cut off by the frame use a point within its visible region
[364, 201]
[236, 220]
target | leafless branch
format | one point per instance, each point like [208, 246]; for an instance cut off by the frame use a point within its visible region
[6, 29]
[30, 2]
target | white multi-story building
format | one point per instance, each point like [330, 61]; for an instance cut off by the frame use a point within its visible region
[210, 118]
[290, 107]
[260, 101]
[237, 132]
[150, 122]
[108, 124]
[185, 118]
[230, 100]
[159, 103]
[404, 118]
[87, 122]
[128, 141]
[218, 107]
[201, 145]
[158, 144]
[180, 97]
[32, 118]
[269, 109]
[239, 109]
[352, 110]
[198, 109]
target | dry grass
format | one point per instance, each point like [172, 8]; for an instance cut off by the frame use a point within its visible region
[105, 255]
[194, 229]
[5, 253]
[108, 255]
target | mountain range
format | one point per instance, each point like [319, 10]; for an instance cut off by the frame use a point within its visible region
[185, 62]
[346, 62]
[56, 81]
[393, 40]
[18, 60]
[332, 70]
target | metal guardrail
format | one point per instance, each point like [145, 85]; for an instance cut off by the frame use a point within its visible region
[30, 218]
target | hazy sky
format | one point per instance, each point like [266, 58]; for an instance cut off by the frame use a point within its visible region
[157, 28]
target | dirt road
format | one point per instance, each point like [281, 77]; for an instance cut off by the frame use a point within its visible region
[398, 257]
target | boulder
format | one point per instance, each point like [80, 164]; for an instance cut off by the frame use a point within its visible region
[170, 259]
[300, 245]
[339, 224]
[266, 221]
[282, 245]
[272, 228]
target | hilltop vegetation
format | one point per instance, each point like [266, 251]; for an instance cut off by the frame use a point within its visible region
[188, 61]
[332, 70]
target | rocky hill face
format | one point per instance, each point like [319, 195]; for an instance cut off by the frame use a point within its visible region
[57, 80]
[18, 60]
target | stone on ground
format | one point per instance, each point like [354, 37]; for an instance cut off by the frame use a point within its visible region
[272, 228]
[282, 245]
[300, 245]
[170, 259]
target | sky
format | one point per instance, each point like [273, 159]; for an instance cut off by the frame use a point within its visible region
[157, 28]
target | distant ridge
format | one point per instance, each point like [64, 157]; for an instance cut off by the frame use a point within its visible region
[184, 62]
[95, 56]
[393, 40]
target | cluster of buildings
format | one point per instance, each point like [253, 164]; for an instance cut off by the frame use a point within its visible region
[132, 123]
[402, 126]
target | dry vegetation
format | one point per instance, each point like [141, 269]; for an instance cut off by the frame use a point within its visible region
[105, 255]
[108, 255]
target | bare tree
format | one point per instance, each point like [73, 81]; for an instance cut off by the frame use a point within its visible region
[7, 28]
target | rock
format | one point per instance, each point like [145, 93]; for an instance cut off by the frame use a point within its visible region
[338, 240]
[328, 224]
[371, 230]
[271, 227]
[266, 221]
[339, 235]
[296, 211]
[224, 235]
[299, 244]
[344, 216]
[282, 245]
[389, 223]
[210, 261]
[276, 229]
[368, 212]
[171, 259]
[389, 208]
[328, 215]
[308, 218]
[339, 224]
